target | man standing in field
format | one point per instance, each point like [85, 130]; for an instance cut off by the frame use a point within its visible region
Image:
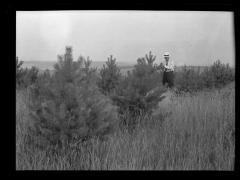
[168, 75]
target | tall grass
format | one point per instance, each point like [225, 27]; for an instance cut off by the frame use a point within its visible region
[198, 134]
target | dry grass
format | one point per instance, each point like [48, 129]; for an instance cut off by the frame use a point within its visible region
[199, 134]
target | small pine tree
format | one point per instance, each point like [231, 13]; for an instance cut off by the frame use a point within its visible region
[19, 72]
[150, 58]
[214, 76]
[109, 76]
[208, 78]
[222, 73]
[68, 106]
[188, 80]
[30, 76]
[131, 95]
[218, 75]
[25, 77]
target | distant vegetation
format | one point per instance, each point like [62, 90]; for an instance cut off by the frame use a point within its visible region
[25, 77]
[79, 118]
[216, 76]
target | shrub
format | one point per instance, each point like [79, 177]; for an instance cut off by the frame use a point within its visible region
[19, 72]
[208, 78]
[215, 76]
[30, 76]
[219, 74]
[68, 106]
[109, 76]
[188, 80]
[132, 93]
[25, 77]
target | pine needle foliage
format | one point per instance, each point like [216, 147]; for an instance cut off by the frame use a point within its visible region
[109, 76]
[217, 75]
[68, 106]
[132, 95]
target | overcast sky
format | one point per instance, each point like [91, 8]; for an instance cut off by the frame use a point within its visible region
[192, 38]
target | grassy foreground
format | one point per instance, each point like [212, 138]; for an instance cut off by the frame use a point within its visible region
[197, 134]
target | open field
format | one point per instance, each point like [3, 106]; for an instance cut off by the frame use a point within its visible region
[125, 90]
[197, 132]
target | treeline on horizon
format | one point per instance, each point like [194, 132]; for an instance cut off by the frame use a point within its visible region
[180, 71]
[44, 65]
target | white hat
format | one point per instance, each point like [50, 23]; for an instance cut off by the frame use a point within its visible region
[166, 54]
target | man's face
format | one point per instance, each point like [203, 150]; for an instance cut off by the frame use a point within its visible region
[166, 58]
